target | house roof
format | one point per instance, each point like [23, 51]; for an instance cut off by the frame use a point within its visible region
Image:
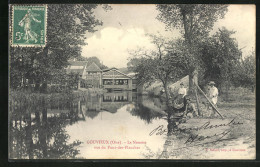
[133, 75]
[77, 71]
[108, 69]
[76, 67]
[78, 63]
[114, 73]
[93, 68]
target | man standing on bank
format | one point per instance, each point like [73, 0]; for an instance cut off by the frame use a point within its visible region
[213, 93]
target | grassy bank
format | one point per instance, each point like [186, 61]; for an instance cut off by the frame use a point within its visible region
[21, 100]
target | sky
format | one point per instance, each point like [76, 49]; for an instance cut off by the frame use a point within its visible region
[125, 27]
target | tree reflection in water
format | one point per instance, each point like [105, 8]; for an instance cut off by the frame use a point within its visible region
[36, 134]
[109, 102]
[147, 108]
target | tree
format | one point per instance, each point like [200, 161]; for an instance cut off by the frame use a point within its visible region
[96, 61]
[244, 72]
[163, 64]
[91, 60]
[221, 55]
[249, 71]
[66, 28]
[193, 20]
[133, 63]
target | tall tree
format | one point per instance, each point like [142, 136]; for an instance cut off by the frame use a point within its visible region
[194, 21]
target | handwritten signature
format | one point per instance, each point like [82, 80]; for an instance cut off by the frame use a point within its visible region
[160, 130]
[197, 138]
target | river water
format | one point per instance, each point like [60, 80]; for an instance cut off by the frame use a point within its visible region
[115, 125]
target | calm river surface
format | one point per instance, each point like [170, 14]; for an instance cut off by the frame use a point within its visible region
[115, 124]
[119, 123]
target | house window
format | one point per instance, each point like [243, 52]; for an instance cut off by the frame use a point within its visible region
[121, 82]
[125, 82]
[108, 82]
[121, 98]
[107, 98]
[117, 82]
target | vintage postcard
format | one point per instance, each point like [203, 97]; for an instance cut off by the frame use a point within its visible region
[132, 81]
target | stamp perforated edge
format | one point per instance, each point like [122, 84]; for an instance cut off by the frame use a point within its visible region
[11, 25]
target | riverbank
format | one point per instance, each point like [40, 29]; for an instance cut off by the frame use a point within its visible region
[237, 130]
[23, 98]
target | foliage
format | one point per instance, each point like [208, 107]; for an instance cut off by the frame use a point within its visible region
[96, 61]
[91, 60]
[171, 61]
[244, 72]
[216, 57]
[164, 64]
[193, 20]
[220, 55]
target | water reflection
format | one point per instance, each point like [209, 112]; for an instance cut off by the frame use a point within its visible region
[38, 129]
[37, 135]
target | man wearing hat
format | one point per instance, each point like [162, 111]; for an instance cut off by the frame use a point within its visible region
[213, 93]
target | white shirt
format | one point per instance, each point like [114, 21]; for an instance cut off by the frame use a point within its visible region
[182, 91]
[213, 94]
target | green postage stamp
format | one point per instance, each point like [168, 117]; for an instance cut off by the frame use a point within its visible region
[29, 25]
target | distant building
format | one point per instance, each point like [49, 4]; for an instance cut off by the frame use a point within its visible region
[114, 79]
[77, 67]
[93, 76]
